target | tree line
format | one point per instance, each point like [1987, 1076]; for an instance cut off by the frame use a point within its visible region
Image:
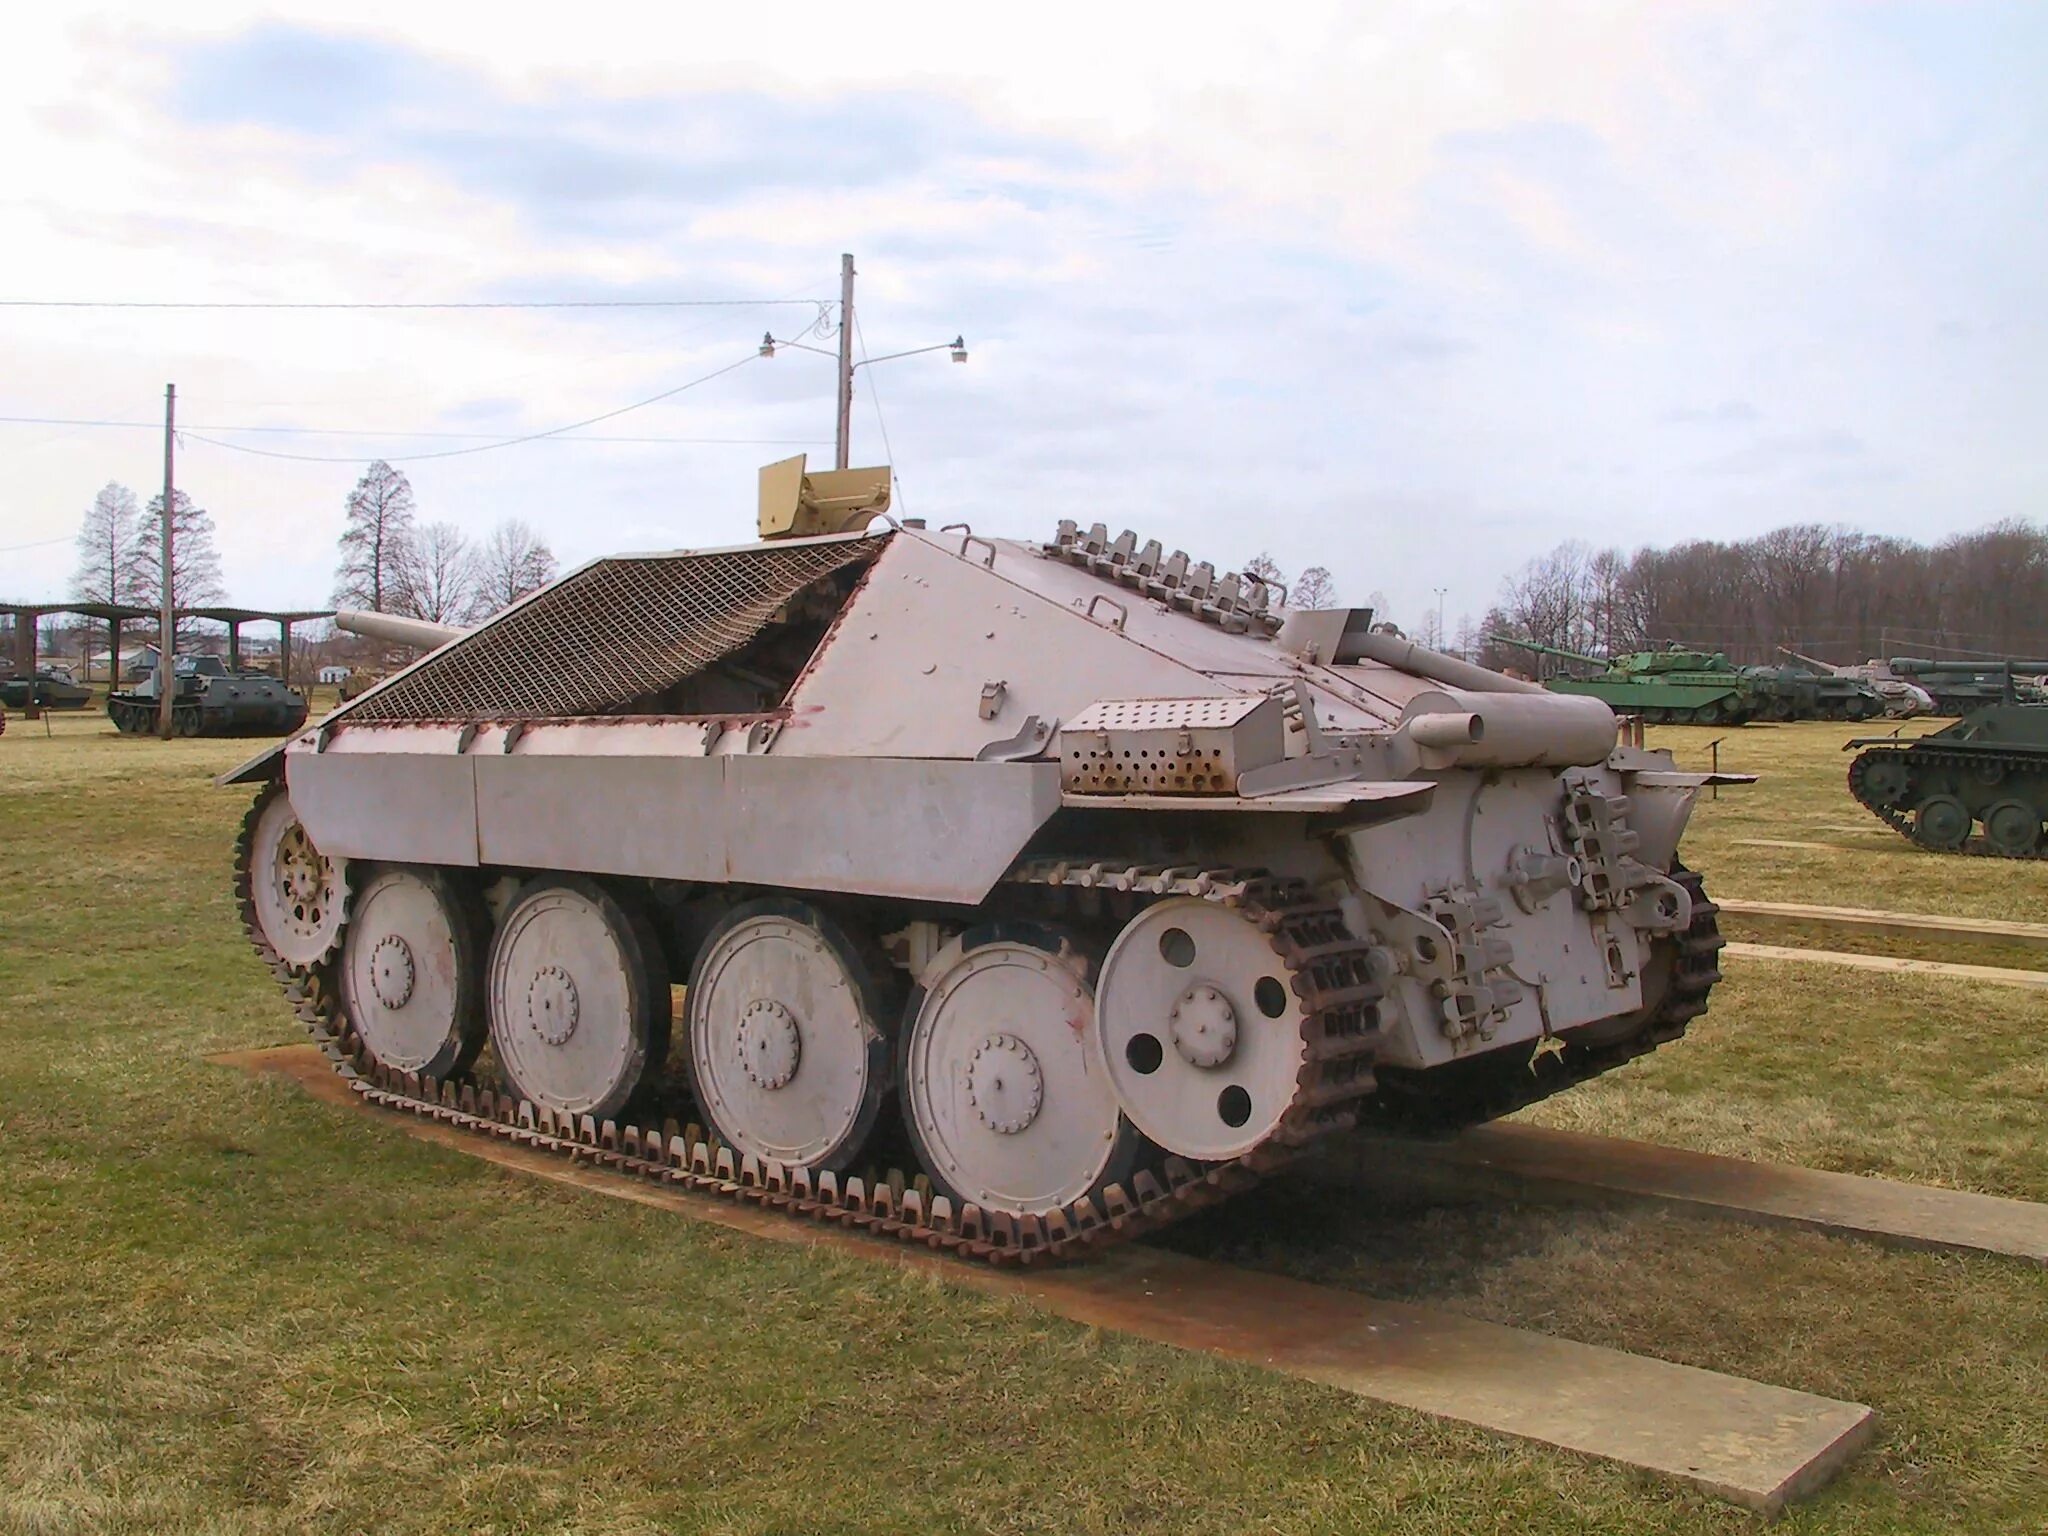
[1830, 592]
[392, 563]
[388, 561]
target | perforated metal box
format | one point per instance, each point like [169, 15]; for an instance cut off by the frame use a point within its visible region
[1170, 746]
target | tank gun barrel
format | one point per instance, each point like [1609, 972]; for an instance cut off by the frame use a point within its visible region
[1812, 661]
[1393, 651]
[1547, 650]
[397, 630]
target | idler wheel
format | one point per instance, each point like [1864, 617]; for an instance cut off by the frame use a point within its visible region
[578, 997]
[412, 971]
[1942, 821]
[1202, 1033]
[297, 892]
[1004, 1091]
[2013, 827]
[1886, 779]
[788, 1051]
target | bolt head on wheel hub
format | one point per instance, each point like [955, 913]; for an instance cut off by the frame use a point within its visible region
[1204, 1026]
[1005, 1084]
[551, 1004]
[391, 971]
[769, 1044]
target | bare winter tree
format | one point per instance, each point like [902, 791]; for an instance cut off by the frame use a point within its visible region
[109, 565]
[1263, 567]
[1830, 592]
[195, 563]
[511, 562]
[1314, 588]
[440, 574]
[376, 542]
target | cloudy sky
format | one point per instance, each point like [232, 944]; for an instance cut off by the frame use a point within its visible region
[1413, 291]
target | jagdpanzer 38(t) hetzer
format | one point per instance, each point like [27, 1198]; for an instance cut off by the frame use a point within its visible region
[1084, 883]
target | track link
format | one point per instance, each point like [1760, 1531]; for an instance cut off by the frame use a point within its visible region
[2022, 768]
[1328, 969]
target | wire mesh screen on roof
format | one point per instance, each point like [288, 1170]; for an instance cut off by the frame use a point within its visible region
[612, 632]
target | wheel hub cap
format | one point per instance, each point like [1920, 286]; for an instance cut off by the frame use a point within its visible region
[1204, 1026]
[551, 1004]
[769, 1044]
[1005, 1085]
[391, 971]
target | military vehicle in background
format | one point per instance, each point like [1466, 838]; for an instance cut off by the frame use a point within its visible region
[1800, 693]
[1670, 687]
[1958, 687]
[52, 687]
[1902, 699]
[210, 701]
[1977, 786]
[1100, 880]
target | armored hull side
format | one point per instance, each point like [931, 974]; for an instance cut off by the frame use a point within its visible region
[1108, 878]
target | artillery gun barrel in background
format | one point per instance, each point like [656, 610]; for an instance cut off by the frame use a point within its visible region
[1958, 687]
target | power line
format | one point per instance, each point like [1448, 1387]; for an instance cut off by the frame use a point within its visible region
[8, 549]
[510, 442]
[455, 304]
[157, 426]
[875, 395]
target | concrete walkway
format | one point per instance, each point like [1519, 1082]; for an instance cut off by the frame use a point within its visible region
[1752, 1444]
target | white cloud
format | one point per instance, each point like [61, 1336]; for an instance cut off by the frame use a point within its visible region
[1410, 292]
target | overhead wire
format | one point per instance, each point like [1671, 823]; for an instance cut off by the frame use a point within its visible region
[290, 431]
[404, 305]
[881, 420]
[510, 442]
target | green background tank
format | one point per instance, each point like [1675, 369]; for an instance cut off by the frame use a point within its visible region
[1978, 786]
[211, 701]
[52, 687]
[1673, 687]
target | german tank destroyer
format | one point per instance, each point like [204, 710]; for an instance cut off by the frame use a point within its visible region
[1978, 786]
[1091, 881]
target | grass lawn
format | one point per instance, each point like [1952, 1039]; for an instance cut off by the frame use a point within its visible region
[224, 1307]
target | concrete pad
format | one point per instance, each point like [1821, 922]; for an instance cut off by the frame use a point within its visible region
[1966, 930]
[1752, 1444]
[1508, 1156]
[1896, 965]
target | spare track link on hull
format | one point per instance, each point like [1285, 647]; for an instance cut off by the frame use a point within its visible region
[1341, 1027]
[1900, 818]
[1447, 1099]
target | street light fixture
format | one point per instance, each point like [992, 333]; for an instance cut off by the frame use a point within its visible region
[844, 357]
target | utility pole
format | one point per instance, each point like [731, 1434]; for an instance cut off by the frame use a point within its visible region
[166, 670]
[843, 456]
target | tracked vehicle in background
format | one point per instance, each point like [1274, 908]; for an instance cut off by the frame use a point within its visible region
[210, 701]
[1978, 786]
[1670, 687]
[1958, 687]
[1094, 881]
[1900, 698]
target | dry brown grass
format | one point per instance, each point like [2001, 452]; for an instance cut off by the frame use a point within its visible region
[226, 1308]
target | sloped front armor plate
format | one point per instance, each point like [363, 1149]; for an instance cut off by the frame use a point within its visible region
[616, 630]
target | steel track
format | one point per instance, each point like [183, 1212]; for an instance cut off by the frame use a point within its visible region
[2026, 768]
[1337, 1087]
